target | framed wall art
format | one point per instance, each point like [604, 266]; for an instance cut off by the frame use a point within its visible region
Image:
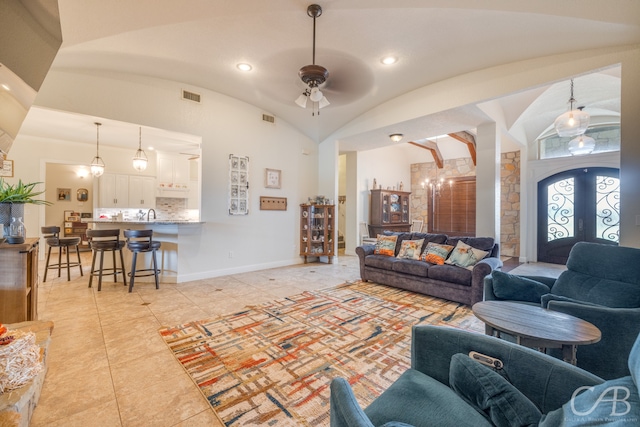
[6, 168]
[272, 178]
[238, 185]
[64, 194]
[82, 194]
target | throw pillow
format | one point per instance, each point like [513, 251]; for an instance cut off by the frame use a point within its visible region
[465, 256]
[518, 288]
[410, 249]
[491, 394]
[385, 245]
[436, 253]
[612, 403]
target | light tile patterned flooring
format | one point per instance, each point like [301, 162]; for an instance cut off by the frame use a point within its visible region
[108, 365]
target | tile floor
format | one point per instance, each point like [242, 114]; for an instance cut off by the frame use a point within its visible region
[108, 365]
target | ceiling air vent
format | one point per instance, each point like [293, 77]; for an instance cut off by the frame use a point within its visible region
[190, 96]
[268, 118]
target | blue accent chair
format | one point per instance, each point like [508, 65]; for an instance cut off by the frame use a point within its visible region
[602, 286]
[530, 383]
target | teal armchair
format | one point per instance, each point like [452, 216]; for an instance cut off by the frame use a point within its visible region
[429, 394]
[602, 286]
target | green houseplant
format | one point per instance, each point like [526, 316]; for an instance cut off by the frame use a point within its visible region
[13, 197]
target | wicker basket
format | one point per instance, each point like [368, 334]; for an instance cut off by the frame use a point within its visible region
[19, 361]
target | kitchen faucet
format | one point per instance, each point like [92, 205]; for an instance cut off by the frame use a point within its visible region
[149, 214]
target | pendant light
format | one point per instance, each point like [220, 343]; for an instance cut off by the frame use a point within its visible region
[97, 165]
[140, 159]
[581, 145]
[573, 122]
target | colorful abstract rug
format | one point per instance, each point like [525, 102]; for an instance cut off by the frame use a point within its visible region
[272, 364]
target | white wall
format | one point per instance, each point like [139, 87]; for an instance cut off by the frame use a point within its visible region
[227, 126]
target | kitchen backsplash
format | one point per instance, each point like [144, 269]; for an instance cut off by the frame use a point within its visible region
[166, 208]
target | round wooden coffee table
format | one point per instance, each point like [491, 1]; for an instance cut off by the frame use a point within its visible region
[534, 326]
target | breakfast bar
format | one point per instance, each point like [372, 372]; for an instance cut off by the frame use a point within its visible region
[172, 234]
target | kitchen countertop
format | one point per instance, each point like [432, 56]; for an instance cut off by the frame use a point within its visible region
[136, 221]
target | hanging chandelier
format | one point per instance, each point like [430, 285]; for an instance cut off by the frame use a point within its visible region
[97, 165]
[140, 159]
[313, 75]
[573, 122]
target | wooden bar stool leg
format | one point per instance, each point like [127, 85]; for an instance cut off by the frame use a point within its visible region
[93, 266]
[101, 270]
[79, 262]
[59, 260]
[133, 271]
[124, 273]
[68, 266]
[47, 265]
[155, 268]
[115, 270]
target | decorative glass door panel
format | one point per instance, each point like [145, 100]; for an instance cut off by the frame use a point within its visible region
[579, 205]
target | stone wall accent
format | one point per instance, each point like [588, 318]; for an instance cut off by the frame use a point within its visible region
[454, 168]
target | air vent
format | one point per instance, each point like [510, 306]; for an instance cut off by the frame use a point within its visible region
[268, 118]
[190, 96]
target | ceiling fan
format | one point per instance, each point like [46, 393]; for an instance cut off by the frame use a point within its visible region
[313, 75]
[191, 156]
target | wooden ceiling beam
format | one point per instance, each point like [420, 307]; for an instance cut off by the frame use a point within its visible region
[435, 151]
[468, 139]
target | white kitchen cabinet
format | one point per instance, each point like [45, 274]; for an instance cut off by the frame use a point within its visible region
[173, 169]
[114, 191]
[142, 192]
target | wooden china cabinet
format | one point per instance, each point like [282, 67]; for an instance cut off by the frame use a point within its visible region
[317, 231]
[389, 211]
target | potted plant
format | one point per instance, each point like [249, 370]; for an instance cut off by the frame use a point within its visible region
[13, 197]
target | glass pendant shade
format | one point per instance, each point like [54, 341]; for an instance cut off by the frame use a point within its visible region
[581, 145]
[140, 159]
[323, 102]
[97, 165]
[572, 123]
[302, 100]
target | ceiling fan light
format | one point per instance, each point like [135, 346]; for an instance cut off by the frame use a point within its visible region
[302, 100]
[581, 145]
[316, 94]
[572, 123]
[396, 137]
[323, 102]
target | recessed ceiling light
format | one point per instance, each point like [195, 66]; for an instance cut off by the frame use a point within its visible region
[388, 60]
[244, 67]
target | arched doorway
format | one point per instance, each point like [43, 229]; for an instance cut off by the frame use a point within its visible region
[575, 206]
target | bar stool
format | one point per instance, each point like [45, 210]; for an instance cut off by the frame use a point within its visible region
[53, 239]
[106, 241]
[142, 241]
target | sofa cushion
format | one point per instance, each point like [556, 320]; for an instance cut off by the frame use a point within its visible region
[413, 267]
[482, 243]
[450, 273]
[436, 253]
[463, 255]
[491, 394]
[431, 403]
[410, 249]
[597, 290]
[518, 288]
[385, 245]
[402, 236]
[429, 238]
[380, 261]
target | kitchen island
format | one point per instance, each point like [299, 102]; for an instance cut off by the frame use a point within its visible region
[172, 233]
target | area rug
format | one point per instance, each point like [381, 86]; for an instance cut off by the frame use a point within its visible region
[272, 364]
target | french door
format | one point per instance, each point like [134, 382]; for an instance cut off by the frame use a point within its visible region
[579, 205]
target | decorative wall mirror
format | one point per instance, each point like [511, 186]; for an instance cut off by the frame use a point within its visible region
[82, 194]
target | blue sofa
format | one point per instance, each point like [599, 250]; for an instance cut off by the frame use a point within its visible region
[601, 285]
[445, 387]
